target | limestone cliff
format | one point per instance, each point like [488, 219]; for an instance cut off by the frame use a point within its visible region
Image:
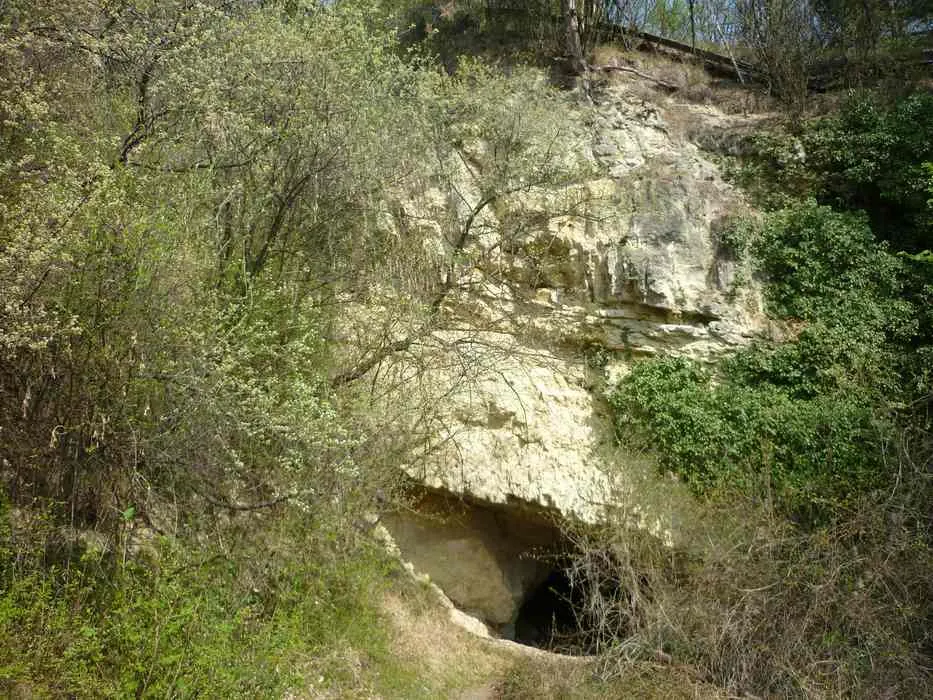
[634, 269]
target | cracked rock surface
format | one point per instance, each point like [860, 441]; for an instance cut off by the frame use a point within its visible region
[641, 273]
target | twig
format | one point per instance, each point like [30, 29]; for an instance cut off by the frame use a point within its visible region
[244, 506]
[625, 69]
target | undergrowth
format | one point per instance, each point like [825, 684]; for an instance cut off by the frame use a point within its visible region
[78, 620]
[806, 571]
[758, 605]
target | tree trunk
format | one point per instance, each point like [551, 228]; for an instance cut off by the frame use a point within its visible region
[693, 26]
[573, 48]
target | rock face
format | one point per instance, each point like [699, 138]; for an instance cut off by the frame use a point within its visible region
[643, 271]
[524, 429]
[639, 273]
[484, 558]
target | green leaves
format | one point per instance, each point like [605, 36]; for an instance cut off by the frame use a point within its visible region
[805, 421]
[869, 157]
[171, 243]
[824, 264]
[756, 438]
[200, 623]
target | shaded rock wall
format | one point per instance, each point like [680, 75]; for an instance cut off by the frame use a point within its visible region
[485, 558]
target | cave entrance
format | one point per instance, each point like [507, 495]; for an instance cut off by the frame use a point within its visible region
[552, 614]
[511, 566]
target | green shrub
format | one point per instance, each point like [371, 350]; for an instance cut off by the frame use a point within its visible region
[194, 622]
[821, 264]
[871, 156]
[734, 237]
[756, 438]
[805, 421]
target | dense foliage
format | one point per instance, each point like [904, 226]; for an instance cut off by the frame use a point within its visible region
[180, 185]
[816, 416]
[811, 417]
[206, 622]
[822, 441]
[208, 249]
[873, 156]
[196, 202]
[760, 439]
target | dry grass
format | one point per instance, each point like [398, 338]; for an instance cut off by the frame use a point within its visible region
[693, 83]
[760, 607]
[681, 74]
[538, 679]
[449, 658]
[453, 664]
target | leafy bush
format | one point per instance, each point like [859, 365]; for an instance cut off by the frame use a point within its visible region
[734, 237]
[775, 171]
[173, 232]
[872, 156]
[192, 622]
[758, 439]
[806, 421]
[175, 228]
[820, 264]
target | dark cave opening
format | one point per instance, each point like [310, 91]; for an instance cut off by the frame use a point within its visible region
[551, 615]
[483, 556]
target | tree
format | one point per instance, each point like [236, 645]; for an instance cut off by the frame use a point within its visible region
[179, 217]
[189, 246]
[779, 32]
[573, 46]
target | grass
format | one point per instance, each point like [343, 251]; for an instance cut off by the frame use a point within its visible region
[198, 621]
[694, 85]
[556, 679]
